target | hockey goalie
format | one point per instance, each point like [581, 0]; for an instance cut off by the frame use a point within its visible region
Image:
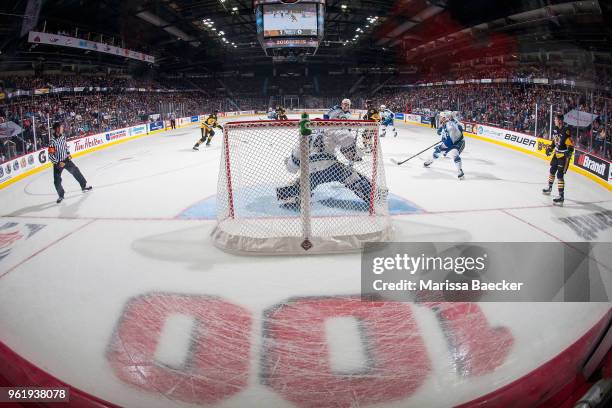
[324, 163]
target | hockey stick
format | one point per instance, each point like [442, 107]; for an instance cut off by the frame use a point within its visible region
[412, 157]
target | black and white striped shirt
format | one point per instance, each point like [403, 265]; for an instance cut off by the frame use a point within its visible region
[58, 149]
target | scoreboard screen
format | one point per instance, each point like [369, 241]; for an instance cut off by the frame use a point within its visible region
[296, 20]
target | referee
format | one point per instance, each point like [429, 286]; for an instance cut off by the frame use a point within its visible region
[61, 159]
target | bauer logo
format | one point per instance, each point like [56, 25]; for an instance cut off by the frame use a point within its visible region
[521, 140]
[592, 164]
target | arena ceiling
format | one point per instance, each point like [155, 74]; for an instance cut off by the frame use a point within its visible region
[395, 33]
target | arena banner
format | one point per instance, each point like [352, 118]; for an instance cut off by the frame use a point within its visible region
[508, 137]
[180, 122]
[137, 130]
[21, 164]
[89, 142]
[592, 164]
[157, 125]
[73, 42]
[409, 117]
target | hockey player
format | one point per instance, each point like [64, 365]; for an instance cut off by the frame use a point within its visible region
[371, 112]
[452, 143]
[386, 121]
[281, 114]
[561, 148]
[206, 128]
[272, 114]
[342, 112]
[325, 167]
[373, 115]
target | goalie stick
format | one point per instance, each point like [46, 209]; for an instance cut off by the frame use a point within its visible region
[399, 163]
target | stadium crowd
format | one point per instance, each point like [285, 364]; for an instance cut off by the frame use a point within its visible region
[509, 106]
[109, 102]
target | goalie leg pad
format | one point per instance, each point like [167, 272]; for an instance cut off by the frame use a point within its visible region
[339, 172]
[353, 180]
[288, 193]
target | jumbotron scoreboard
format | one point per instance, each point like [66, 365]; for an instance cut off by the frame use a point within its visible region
[293, 24]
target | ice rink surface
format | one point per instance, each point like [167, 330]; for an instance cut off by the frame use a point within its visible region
[120, 293]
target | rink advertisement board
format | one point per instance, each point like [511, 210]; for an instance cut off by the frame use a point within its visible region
[409, 117]
[137, 130]
[508, 137]
[592, 164]
[22, 164]
[157, 125]
[399, 116]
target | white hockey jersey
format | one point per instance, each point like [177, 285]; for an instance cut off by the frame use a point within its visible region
[325, 145]
[451, 133]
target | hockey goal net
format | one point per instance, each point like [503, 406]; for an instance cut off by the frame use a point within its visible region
[283, 193]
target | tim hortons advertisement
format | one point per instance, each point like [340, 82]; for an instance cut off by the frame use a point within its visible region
[89, 142]
[593, 164]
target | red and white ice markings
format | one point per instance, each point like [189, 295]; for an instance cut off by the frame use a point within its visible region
[217, 363]
[317, 351]
[296, 359]
[476, 348]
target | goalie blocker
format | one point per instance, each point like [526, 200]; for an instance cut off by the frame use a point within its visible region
[292, 192]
